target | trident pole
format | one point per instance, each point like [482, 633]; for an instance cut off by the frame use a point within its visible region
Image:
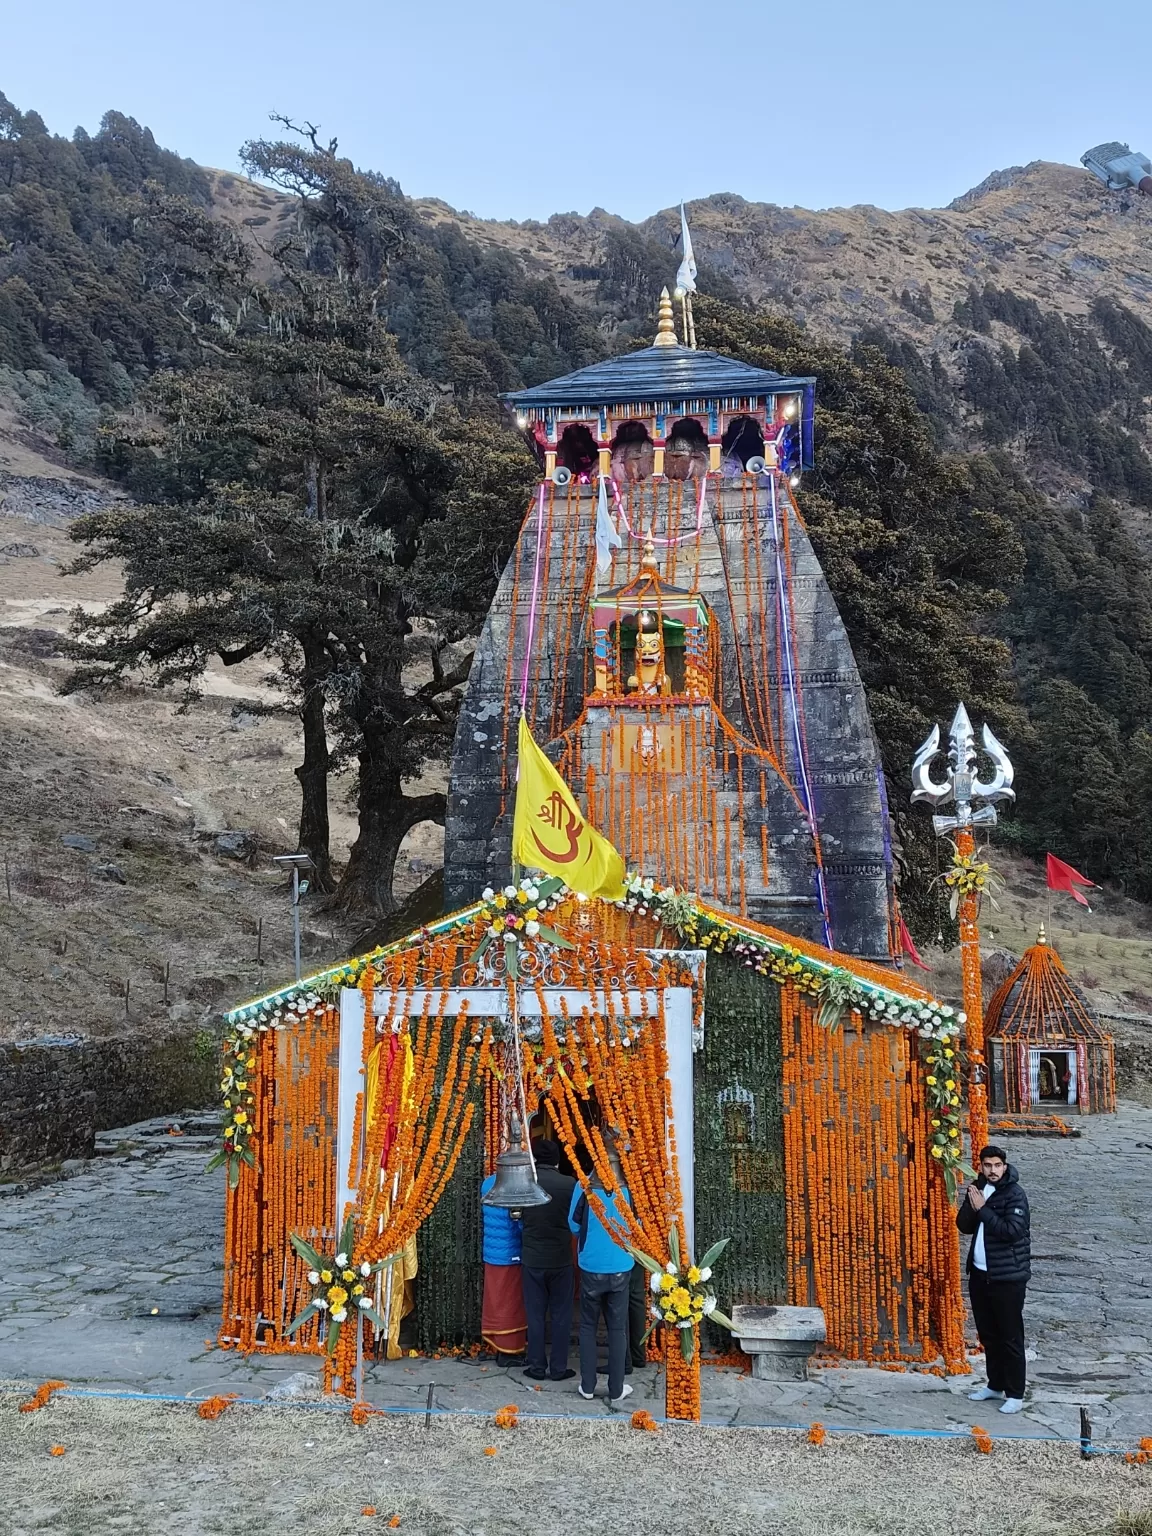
[962, 786]
[973, 993]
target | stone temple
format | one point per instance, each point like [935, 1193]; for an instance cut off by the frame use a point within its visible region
[694, 684]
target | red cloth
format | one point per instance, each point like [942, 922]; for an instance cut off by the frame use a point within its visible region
[908, 948]
[1062, 877]
[503, 1324]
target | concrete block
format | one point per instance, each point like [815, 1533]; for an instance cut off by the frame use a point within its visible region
[781, 1340]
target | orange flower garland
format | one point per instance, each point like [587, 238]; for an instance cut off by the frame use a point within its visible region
[507, 1417]
[40, 1397]
[642, 1419]
[817, 1434]
[983, 1440]
[213, 1407]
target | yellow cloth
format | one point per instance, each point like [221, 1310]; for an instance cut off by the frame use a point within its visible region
[550, 832]
[402, 1297]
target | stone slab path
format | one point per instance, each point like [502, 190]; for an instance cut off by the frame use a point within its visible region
[110, 1279]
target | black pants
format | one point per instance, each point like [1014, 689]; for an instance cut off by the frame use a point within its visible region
[607, 1294]
[998, 1312]
[637, 1314]
[548, 1291]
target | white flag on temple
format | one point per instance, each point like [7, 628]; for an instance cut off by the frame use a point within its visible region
[686, 272]
[607, 539]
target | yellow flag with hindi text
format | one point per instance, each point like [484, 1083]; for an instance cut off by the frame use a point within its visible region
[550, 832]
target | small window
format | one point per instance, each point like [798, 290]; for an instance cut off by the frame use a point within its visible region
[633, 454]
[743, 440]
[686, 450]
[577, 451]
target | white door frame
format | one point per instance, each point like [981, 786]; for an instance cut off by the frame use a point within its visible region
[492, 1003]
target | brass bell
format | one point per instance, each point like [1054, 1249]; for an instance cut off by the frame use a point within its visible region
[515, 1187]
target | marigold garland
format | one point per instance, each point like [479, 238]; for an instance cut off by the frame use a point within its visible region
[507, 1417]
[982, 1439]
[360, 1413]
[642, 1419]
[213, 1407]
[817, 1434]
[40, 1397]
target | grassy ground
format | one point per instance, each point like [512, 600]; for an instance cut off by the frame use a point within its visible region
[137, 1466]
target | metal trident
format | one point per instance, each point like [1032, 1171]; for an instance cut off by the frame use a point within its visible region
[962, 786]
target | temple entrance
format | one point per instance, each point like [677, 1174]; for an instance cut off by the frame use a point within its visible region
[1053, 1076]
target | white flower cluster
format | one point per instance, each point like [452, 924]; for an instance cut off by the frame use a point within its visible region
[931, 1020]
[275, 1014]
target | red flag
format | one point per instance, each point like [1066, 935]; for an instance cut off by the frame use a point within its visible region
[908, 948]
[1062, 877]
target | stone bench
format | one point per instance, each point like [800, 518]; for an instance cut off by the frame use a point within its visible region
[781, 1340]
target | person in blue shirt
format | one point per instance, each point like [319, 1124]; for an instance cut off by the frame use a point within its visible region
[503, 1323]
[605, 1271]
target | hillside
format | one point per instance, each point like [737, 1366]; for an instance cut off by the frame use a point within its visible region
[1015, 317]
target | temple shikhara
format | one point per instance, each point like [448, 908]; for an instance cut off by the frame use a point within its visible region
[726, 1029]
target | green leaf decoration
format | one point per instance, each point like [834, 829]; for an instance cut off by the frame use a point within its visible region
[687, 1343]
[298, 1322]
[674, 1246]
[306, 1252]
[555, 938]
[234, 1161]
[347, 1237]
[653, 1266]
[714, 1253]
[373, 1317]
[512, 960]
[216, 1160]
[485, 945]
[333, 1334]
[722, 1318]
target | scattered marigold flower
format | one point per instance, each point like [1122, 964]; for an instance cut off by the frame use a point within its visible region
[369, 1509]
[817, 1434]
[642, 1419]
[490, 1450]
[1146, 1443]
[362, 1412]
[213, 1407]
[394, 1522]
[41, 1395]
[508, 1417]
[56, 1450]
[983, 1440]
[893, 1366]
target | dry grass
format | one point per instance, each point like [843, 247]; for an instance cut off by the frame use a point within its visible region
[146, 1466]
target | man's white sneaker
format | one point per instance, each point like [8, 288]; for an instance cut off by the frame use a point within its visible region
[626, 1391]
[1012, 1405]
[983, 1395]
[587, 1396]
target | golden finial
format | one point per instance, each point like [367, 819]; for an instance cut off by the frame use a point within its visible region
[666, 329]
[648, 559]
[1041, 937]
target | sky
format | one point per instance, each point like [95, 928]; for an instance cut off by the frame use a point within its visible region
[524, 111]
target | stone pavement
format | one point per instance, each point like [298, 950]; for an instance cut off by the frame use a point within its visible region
[110, 1279]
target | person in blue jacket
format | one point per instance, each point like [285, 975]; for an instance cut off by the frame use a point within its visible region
[605, 1270]
[503, 1323]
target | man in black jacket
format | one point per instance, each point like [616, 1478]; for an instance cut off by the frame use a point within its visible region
[546, 1267]
[995, 1213]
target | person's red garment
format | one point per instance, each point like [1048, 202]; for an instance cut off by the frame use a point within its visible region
[503, 1322]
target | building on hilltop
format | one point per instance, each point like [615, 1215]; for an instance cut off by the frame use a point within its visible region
[734, 1024]
[1047, 1051]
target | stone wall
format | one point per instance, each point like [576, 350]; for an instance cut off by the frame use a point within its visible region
[56, 1094]
[752, 562]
